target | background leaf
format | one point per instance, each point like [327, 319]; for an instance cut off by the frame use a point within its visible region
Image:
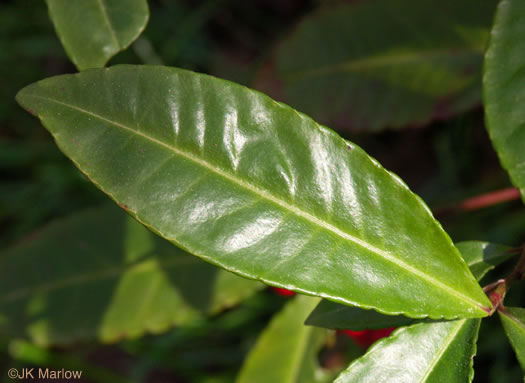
[381, 64]
[481, 257]
[425, 352]
[504, 89]
[513, 320]
[255, 187]
[286, 352]
[336, 316]
[101, 275]
[94, 31]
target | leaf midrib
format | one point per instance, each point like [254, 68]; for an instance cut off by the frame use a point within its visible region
[269, 197]
[444, 347]
[105, 16]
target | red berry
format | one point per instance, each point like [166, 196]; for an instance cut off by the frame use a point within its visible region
[365, 338]
[283, 292]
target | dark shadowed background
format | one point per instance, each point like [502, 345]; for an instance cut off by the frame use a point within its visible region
[346, 64]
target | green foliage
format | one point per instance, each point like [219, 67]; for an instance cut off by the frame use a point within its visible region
[99, 274]
[425, 352]
[421, 61]
[504, 81]
[94, 31]
[481, 257]
[288, 347]
[256, 188]
[513, 320]
[336, 316]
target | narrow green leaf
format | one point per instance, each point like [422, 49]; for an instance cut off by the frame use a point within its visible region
[504, 89]
[481, 257]
[100, 274]
[336, 316]
[286, 352]
[93, 31]
[255, 187]
[422, 353]
[381, 64]
[513, 320]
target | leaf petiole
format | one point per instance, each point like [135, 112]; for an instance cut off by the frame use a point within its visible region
[496, 291]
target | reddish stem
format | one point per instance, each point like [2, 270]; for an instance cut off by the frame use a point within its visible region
[496, 291]
[481, 201]
[490, 199]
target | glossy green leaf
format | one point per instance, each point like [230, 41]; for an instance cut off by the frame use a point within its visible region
[93, 31]
[286, 352]
[481, 257]
[255, 187]
[380, 64]
[422, 353]
[504, 89]
[425, 352]
[513, 320]
[101, 275]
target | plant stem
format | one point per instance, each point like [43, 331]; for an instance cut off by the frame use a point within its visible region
[490, 199]
[496, 291]
[519, 270]
[482, 201]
